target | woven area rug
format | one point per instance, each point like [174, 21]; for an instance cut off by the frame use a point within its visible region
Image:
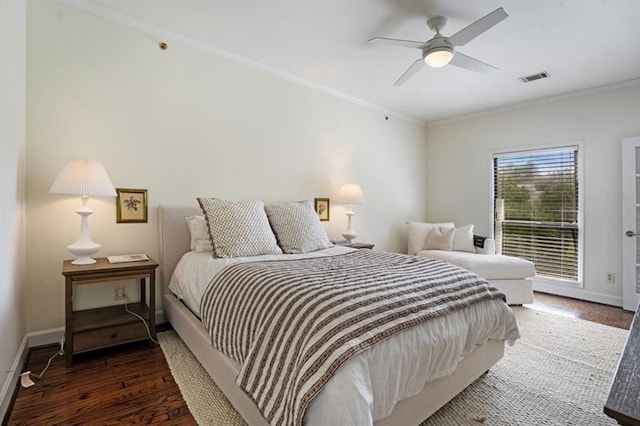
[558, 373]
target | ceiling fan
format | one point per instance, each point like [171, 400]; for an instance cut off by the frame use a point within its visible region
[440, 50]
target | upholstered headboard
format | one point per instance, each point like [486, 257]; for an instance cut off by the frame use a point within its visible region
[174, 238]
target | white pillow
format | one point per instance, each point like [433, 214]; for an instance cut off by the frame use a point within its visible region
[463, 239]
[440, 238]
[418, 232]
[200, 240]
[239, 228]
[297, 227]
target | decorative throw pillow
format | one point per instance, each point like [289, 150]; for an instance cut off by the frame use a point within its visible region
[238, 228]
[463, 239]
[200, 240]
[297, 227]
[440, 239]
[418, 233]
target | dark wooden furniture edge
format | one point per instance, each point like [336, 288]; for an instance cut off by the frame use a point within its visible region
[623, 402]
[354, 245]
[103, 263]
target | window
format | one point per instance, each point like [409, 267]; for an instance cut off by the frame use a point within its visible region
[536, 199]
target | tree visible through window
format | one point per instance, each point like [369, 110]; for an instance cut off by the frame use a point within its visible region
[536, 204]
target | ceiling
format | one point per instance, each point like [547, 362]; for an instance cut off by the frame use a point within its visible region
[581, 44]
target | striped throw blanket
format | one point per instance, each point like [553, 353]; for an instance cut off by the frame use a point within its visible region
[291, 324]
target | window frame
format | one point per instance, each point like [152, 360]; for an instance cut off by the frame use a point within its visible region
[578, 146]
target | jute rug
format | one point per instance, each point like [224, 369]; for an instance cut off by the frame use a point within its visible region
[558, 373]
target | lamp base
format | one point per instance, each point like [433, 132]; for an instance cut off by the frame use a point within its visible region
[83, 260]
[83, 252]
[349, 236]
[84, 246]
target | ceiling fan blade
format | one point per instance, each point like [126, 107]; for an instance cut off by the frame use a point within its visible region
[467, 62]
[398, 42]
[467, 34]
[414, 68]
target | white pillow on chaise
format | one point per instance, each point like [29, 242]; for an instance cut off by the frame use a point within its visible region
[463, 239]
[440, 238]
[418, 232]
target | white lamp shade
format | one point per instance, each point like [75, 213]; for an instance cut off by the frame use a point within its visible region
[350, 193]
[438, 58]
[83, 177]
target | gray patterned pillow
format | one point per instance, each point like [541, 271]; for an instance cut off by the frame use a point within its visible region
[238, 228]
[297, 227]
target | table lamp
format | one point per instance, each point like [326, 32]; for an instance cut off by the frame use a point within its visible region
[85, 178]
[350, 194]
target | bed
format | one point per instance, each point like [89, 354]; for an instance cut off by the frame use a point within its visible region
[175, 243]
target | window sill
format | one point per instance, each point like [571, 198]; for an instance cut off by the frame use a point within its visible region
[558, 282]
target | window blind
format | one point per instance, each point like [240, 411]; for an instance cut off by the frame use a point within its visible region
[537, 210]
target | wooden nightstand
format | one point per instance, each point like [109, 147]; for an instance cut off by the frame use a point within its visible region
[97, 328]
[355, 245]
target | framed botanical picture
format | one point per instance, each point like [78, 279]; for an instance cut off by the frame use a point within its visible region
[131, 205]
[322, 208]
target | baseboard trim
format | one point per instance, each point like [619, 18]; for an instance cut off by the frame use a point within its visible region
[8, 389]
[576, 293]
[45, 337]
[160, 317]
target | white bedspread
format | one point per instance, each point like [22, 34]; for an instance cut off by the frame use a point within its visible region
[368, 386]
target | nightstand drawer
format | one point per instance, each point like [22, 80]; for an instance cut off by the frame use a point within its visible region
[108, 336]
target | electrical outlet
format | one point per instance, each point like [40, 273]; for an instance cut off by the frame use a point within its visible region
[119, 293]
[611, 277]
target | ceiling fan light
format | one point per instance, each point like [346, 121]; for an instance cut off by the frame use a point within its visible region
[438, 58]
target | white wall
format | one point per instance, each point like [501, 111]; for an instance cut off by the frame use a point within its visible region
[12, 142]
[459, 169]
[183, 123]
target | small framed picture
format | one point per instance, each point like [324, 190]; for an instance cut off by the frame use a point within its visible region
[322, 208]
[131, 205]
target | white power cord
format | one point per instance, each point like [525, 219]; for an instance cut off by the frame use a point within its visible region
[126, 308]
[25, 379]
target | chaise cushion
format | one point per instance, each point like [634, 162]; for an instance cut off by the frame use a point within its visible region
[488, 266]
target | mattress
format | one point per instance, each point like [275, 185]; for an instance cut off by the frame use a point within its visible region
[368, 386]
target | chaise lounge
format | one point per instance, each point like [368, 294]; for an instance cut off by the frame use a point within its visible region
[459, 246]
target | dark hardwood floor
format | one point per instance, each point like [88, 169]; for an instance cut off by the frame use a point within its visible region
[132, 384]
[588, 311]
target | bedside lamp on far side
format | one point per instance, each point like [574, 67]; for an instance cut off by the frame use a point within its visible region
[350, 194]
[85, 178]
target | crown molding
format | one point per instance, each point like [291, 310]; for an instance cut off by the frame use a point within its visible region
[536, 102]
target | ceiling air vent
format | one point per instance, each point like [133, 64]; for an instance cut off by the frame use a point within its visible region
[534, 77]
